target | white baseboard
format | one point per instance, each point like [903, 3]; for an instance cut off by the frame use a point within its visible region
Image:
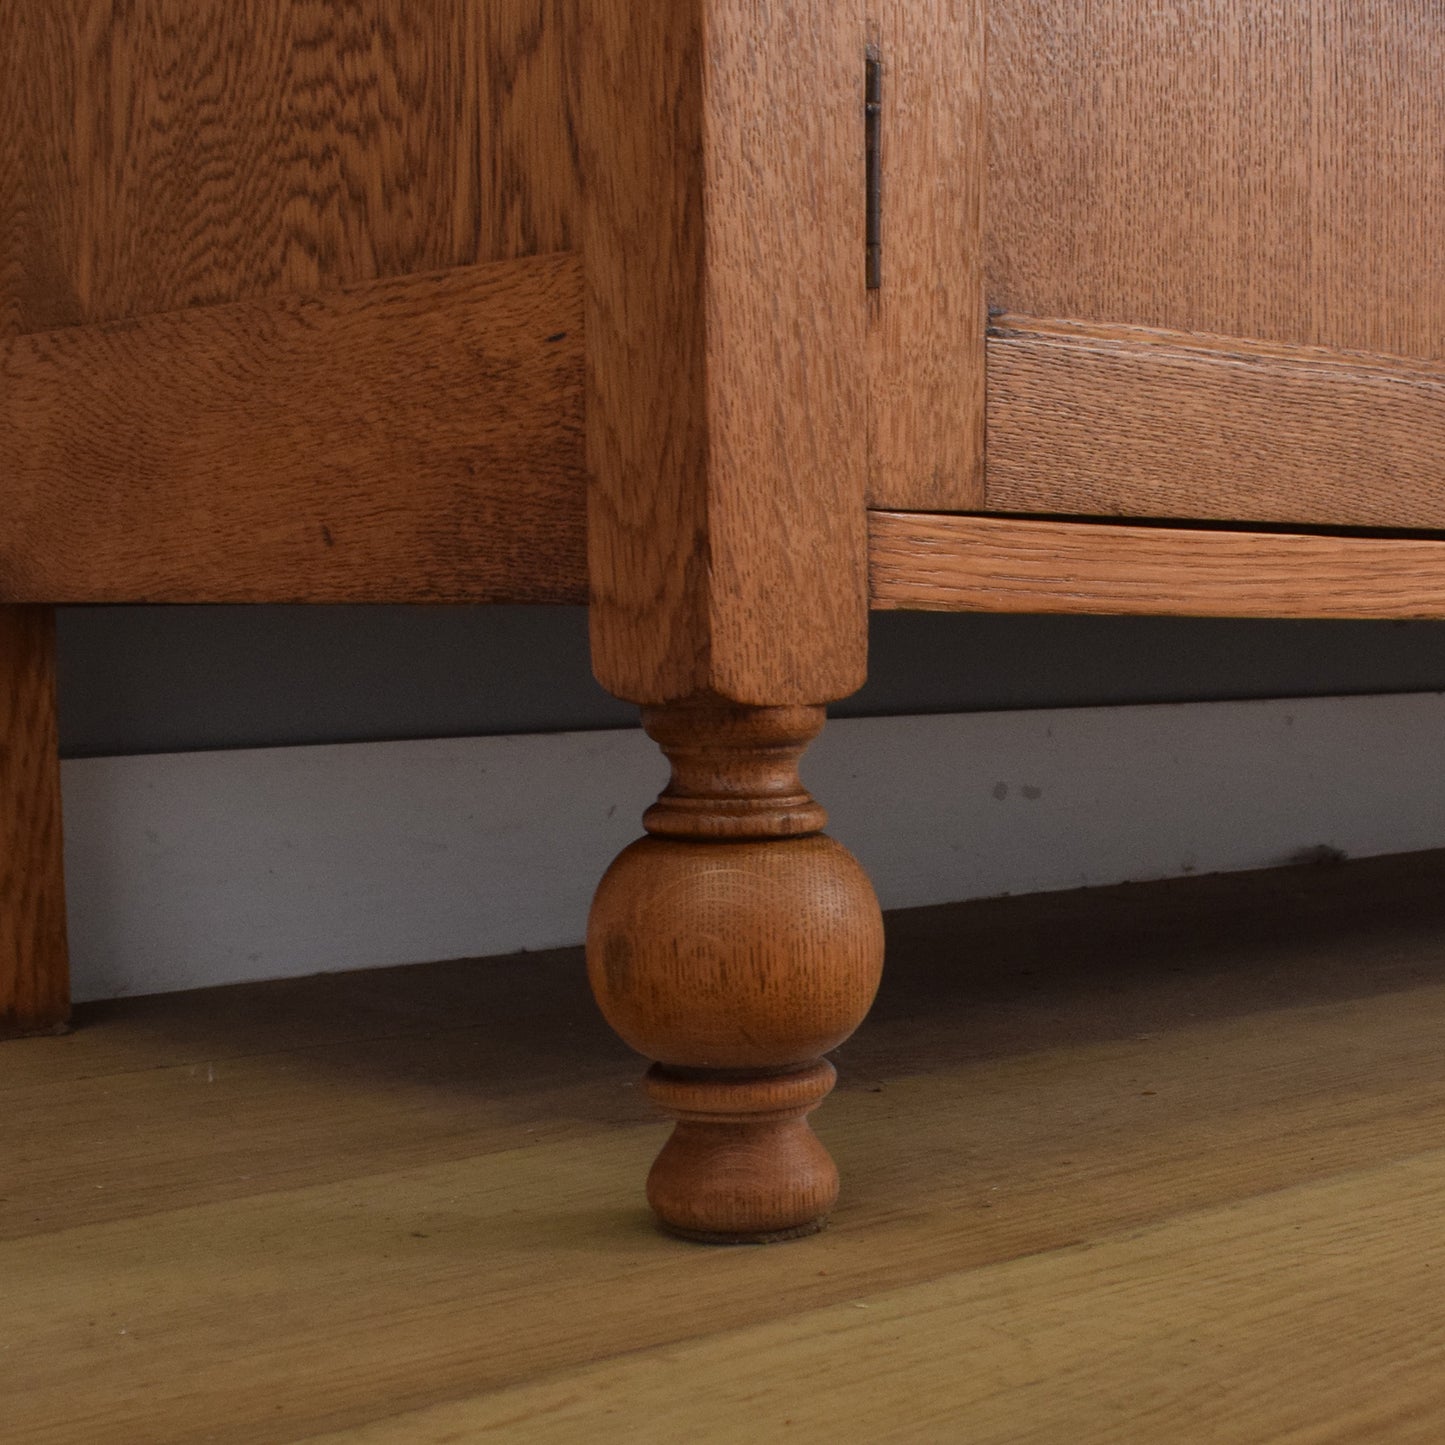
[189, 869]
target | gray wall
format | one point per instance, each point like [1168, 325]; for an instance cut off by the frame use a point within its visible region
[158, 679]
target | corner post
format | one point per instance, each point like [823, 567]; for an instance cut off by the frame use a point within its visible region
[723, 164]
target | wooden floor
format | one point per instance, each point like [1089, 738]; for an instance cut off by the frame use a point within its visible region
[1150, 1164]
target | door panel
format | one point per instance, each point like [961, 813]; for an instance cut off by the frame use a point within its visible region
[1273, 171]
[1236, 212]
[1265, 186]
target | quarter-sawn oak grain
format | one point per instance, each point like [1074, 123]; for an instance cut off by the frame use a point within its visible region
[1124, 421]
[1271, 171]
[727, 385]
[162, 155]
[417, 439]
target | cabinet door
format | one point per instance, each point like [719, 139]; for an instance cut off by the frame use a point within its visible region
[1211, 249]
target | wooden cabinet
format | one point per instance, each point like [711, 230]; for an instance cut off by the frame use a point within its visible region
[1208, 248]
[566, 300]
[1213, 240]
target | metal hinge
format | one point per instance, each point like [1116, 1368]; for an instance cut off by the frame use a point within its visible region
[873, 131]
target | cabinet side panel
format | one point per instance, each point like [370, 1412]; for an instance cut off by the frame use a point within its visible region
[724, 248]
[179, 154]
[927, 315]
[1266, 171]
[416, 439]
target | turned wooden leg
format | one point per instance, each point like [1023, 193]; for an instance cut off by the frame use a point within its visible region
[736, 944]
[34, 972]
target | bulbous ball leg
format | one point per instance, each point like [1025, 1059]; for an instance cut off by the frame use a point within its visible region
[736, 950]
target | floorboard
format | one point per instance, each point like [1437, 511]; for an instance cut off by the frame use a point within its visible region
[1264, 1320]
[1160, 1162]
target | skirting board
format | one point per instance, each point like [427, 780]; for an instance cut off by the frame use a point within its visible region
[190, 869]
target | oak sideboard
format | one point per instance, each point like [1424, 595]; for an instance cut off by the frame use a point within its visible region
[730, 319]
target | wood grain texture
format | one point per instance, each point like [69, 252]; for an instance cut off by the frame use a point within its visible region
[17, 144]
[171, 153]
[1124, 421]
[1139, 1126]
[724, 237]
[736, 944]
[525, 62]
[926, 322]
[34, 967]
[1271, 171]
[1171, 1334]
[409, 440]
[1003, 564]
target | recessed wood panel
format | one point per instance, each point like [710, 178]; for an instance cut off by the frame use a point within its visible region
[170, 153]
[1122, 421]
[1274, 171]
[1005, 564]
[409, 440]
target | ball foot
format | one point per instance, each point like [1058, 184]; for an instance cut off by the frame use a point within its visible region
[743, 1164]
[736, 944]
